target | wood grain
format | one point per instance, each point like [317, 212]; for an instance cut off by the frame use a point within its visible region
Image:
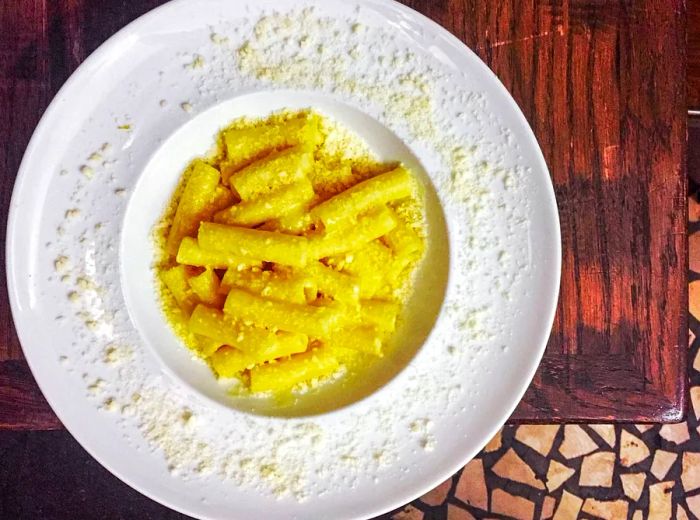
[602, 82]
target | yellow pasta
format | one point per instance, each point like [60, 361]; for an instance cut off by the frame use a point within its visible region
[274, 285]
[195, 203]
[370, 264]
[287, 263]
[363, 339]
[190, 253]
[369, 227]
[268, 174]
[334, 284]
[215, 325]
[176, 280]
[277, 204]
[229, 361]
[206, 286]
[317, 322]
[246, 144]
[283, 375]
[372, 193]
[380, 313]
[261, 245]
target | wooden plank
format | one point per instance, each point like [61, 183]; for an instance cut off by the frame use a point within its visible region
[587, 76]
[22, 407]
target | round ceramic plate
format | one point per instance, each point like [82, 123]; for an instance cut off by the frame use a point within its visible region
[103, 163]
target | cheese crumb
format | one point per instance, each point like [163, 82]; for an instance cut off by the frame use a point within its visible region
[61, 264]
[72, 213]
[87, 171]
[186, 106]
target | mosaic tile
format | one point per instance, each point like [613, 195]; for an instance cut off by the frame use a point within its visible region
[539, 438]
[695, 400]
[471, 488]
[663, 460]
[512, 467]
[632, 449]
[638, 515]
[693, 504]
[597, 470]
[693, 210]
[643, 428]
[577, 442]
[690, 476]
[606, 432]
[457, 513]
[681, 514]
[660, 506]
[696, 361]
[557, 474]
[548, 508]
[514, 506]
[694, 252]
[495, 443]
[569, 507]
[409, 513]
[633, 484]
[694, 298]
[606, 509]
[677, 433]
[437, 496]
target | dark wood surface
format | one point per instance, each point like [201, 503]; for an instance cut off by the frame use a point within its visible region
[603, 86]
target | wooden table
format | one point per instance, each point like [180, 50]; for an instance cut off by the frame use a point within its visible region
[603, 86]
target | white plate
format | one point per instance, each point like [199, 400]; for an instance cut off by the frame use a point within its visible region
[80, 286]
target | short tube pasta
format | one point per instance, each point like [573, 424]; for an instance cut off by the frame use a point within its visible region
[317, 322]
[260, 245]
[370, 227]
[272, 172]
[190, 253]
[372, 193]
[277, 204]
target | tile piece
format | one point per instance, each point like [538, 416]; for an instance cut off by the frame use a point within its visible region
[606, 431]
[681, 514]
[506, 504]
[457, 513]
[638, 515]
[606, 509]
[632, 449]
[437, 496]
[694, 298]
[538, 437]
[691, 471]
[677, 433]
[548, 508]
[643, 427]
[663, 460]
[696, 361]
[633, 484]
[512, 467]
[597, 469]
[569, 506]
[693, 210]
[408, 513]
[694, 252]
[695, 400]
[471, 488]
[576, 442]
[693, 504]
[495, 443]
[557, 474]
[660, 506]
